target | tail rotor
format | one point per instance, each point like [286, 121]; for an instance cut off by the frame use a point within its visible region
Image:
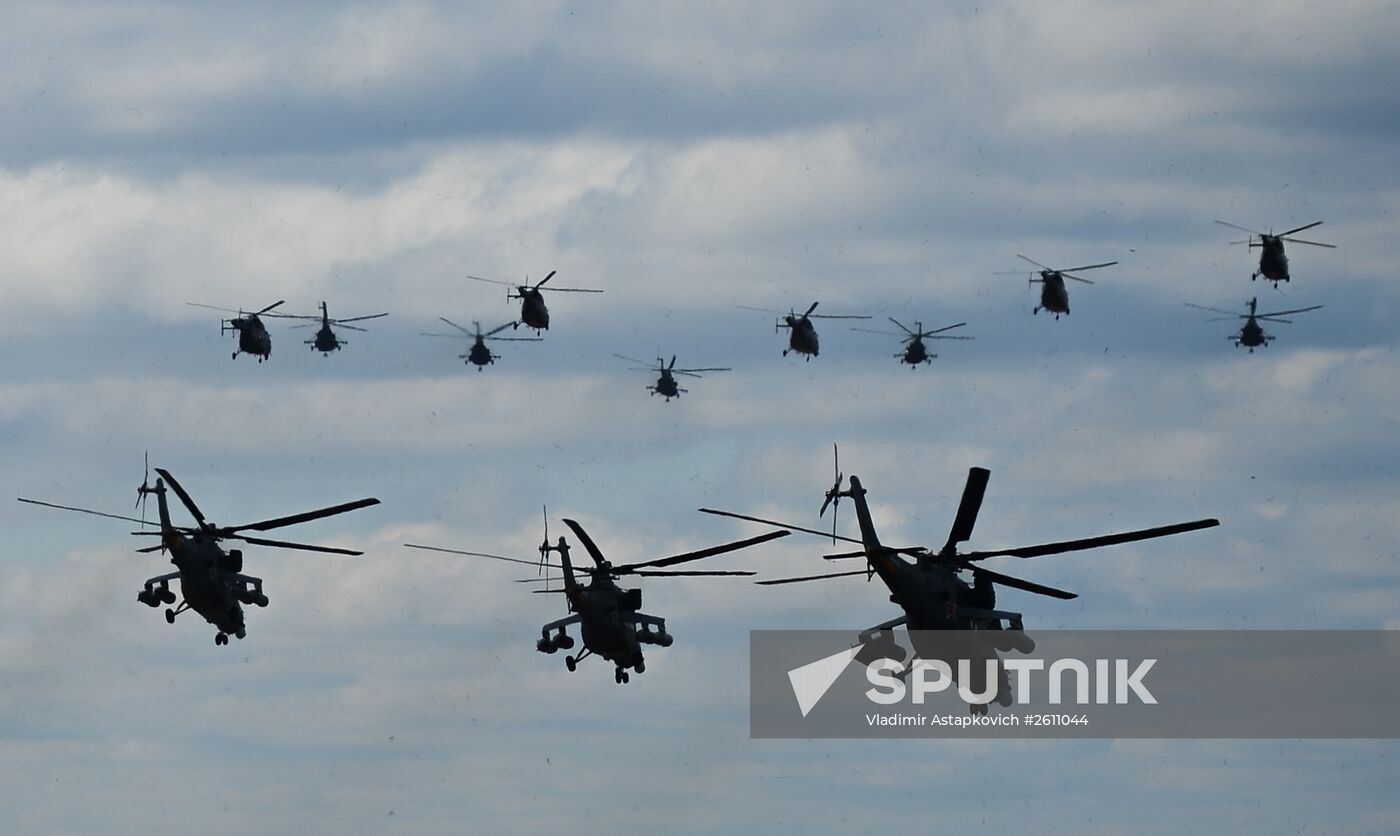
[833, 496]
[544, 549]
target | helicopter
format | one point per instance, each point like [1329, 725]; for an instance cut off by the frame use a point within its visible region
[211, 579]
[802, 334]
[666, 384]
[1252, 335]
[1273, 263]
[533, 312]
[252, 334]
[479, 355]
[931, 591]
[1053, 295]
[609, 618]
[915, 353]
[326, 340]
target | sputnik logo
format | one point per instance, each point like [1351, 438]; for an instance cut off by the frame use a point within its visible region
[811, 681]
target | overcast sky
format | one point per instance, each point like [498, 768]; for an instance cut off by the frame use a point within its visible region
[685, 159]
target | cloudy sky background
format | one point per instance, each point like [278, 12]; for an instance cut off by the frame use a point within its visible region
[685, 160]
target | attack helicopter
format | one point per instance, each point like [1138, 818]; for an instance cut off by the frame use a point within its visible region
[252, 334]
[533, 311]
[1273, 263]
[666, 384]
[609, 618]
[915, 353]
[326, 339]
[931, 591]
[211, 580]
[1054, 297]
[1251, 334]
[802, 334]
[479, 355]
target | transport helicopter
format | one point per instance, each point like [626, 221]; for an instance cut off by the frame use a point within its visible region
[1054, 297]
[211, 579]
[802, 334]
[666, 383]
[252, 334]
[326, 339]
[1251, 334]
[609, 618]
[479, 355]
[533, 311]
[915, 353]
[1273, 262]
[931, 590]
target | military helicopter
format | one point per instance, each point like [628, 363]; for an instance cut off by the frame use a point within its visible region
[915, 353]
[533, 311]
[252, 334]
[802, 334]
[479, 355]
[1273, 263]
[1252, 335]
[211, 579]
[609, 618]
[931, 591]
[326, 340]
[666, 384]
[1053, 295]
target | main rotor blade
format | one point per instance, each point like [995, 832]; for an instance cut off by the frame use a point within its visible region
[184, 497]
[1311, 243]
[1076, 278]
[498, 329]
[1028, 586]
[1036, 263]
[971, 503]
[882, 333]
[690, 573]
[588, 544]
[1284, 313]
[1274, 319]
[571, 289]
[648, 366]
[944, 328]
[702, 553]
[912, 551]
[283, 544]
[270, 307]
[358, 318]
[1089, 267]
[453, 336]
[1212, 310]
[492, 281]
[1094, 542]
[1240, 228]
[693, 371]
[901, 325]
[778, 524]
[516, 339]
[1301, 228]
[761, 310]
[213, 308]
[780, 581]
[531, 563]
[545, 279]
[812, 308]
[81, 510]
[458, 327]
[346, 327]
[307, 516]
[835, 316]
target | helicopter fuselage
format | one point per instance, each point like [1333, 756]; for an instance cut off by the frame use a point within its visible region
[208, 581]
[479, 355]
[252, 336]
[1273, 263]
[1054, 297]
[915, 353]
[1252, 335]
[533, 311]
[608, 621]
[802, 336]
[666, 386]
[325, 340]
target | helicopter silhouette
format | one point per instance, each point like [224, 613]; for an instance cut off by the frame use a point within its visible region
[1054, 297]
[252, 334]
[609, 618]
[666, 383]
[802, 334]
[1273, 262]
[931, 591]
[915, 353]
[533, 311]
[326, 339]
[211, 580]
[1251, 334]
[479, 355]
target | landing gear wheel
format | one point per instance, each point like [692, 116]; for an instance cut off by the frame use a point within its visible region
[571, 663]
[221, 638]
[641, 667]
[625, 678]
[617, 676]
[241, 634]
[169, 616]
